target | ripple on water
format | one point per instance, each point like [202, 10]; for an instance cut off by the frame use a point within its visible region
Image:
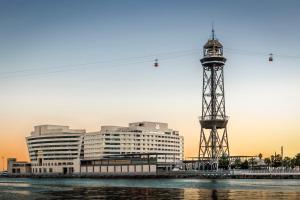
[148, 189]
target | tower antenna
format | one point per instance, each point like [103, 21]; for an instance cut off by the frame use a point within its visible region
[212, 31]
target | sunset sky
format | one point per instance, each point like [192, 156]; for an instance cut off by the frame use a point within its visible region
[90, 63]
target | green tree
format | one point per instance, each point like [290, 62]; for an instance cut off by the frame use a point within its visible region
[260, 156]
[252, 162]
[245, 165]
[237, 163]
[272, 158]
[293, 163]
[287, 162]
[297, 160]
[267, 161]
[224, 162]
[276, 160]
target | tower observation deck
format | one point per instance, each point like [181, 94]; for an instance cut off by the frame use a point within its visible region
[213, 136]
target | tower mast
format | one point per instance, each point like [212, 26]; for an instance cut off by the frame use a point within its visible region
[213, 136]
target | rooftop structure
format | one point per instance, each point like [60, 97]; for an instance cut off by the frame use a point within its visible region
[138, 137]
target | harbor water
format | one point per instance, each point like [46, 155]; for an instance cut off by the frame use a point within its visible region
[76, 188]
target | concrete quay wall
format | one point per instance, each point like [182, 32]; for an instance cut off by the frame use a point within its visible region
[171, 174]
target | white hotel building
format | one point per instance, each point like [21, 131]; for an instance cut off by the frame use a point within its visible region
[139, 137]
[58, 149]
[55, 149]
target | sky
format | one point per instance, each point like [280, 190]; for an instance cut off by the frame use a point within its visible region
[90, 63]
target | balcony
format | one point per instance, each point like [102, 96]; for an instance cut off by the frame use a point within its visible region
[209, 121]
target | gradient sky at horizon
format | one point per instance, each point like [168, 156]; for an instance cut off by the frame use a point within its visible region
[42, 44]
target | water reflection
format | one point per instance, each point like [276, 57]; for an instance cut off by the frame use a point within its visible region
[148, 189]
[118, 193]
[155, 193]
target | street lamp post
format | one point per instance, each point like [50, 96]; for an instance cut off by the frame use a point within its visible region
[2, 163]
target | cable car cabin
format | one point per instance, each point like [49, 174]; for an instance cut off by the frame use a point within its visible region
[156, 63]
[270, 57]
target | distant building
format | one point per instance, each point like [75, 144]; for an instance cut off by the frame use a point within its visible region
[15, 167]
[139, 137]
[55, 149]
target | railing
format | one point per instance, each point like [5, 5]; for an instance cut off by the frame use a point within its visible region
[211, 117]
[228, 173]
[266, 172]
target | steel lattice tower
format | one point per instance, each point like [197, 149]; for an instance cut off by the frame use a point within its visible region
[213, 136]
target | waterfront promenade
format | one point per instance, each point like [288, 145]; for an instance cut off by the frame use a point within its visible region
[201, 174]
[235, 174]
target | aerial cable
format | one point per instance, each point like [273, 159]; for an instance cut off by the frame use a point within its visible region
[122, 61]
[161, 55]
[83, 66]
